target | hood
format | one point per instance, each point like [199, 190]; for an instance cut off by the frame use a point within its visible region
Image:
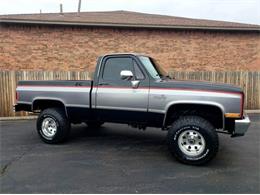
[198, 85]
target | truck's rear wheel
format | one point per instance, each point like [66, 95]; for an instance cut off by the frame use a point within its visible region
[193, 140]
[53, 125]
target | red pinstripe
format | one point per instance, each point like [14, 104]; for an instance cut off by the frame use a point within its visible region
[156, 88]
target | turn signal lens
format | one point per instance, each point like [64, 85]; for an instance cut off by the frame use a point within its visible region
[232, 115]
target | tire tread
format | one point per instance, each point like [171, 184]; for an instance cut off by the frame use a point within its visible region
[64, 125]
[204, 124]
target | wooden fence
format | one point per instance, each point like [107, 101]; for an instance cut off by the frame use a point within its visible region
[249, 81]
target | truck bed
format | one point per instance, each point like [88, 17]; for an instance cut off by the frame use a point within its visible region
[73, 94]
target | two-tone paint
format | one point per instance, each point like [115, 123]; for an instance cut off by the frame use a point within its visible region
[148, 103]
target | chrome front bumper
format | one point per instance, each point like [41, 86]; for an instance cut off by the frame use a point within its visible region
[241, 126]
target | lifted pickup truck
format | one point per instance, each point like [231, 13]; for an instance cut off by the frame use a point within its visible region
[133, 89]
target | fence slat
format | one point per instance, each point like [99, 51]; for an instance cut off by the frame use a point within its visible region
[249, 81]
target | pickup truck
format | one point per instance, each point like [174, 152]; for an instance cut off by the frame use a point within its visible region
[133, 89]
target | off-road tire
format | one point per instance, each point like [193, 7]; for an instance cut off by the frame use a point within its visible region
[63, 125]
[197, 124]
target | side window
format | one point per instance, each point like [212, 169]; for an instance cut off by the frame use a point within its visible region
[138, 73]
[113, 67]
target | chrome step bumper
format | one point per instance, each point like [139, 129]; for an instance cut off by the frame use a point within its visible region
[241, 126]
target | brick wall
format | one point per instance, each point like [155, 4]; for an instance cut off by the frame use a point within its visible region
[76, 49]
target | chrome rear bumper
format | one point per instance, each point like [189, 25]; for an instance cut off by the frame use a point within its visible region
[241, 126]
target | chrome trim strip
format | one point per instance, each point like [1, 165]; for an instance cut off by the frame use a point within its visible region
[121, 108]
[23, 102]
[156, 111]
[77, 105]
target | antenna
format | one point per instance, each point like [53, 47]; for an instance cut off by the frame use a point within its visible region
[79, 6]
[61, 9]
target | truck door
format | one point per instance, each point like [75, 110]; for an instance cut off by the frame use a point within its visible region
[119, 99]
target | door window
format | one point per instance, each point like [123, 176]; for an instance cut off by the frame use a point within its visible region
[114, 66]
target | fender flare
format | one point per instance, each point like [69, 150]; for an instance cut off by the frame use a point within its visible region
[49, 99]
[209, 103]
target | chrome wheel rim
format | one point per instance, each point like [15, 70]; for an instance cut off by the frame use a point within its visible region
[49, 127]
[191, 143]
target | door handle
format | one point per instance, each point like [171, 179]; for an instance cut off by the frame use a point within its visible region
[103, 83]
[78, 84]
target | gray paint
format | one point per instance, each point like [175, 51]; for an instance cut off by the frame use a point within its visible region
[116, 98]
[69, 96]
[155, 96]
[140, 99]
[161, 100]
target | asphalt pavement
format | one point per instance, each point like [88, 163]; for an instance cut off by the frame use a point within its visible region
[119, 159]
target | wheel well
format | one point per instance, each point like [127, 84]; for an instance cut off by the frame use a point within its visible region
[43, 104]
[210, 112]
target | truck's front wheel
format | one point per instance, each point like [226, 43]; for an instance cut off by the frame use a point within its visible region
[53, 125]
[193, 140]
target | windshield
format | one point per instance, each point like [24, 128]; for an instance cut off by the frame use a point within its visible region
[153, 68]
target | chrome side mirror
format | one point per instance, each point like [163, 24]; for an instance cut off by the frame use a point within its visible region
[126, 75]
